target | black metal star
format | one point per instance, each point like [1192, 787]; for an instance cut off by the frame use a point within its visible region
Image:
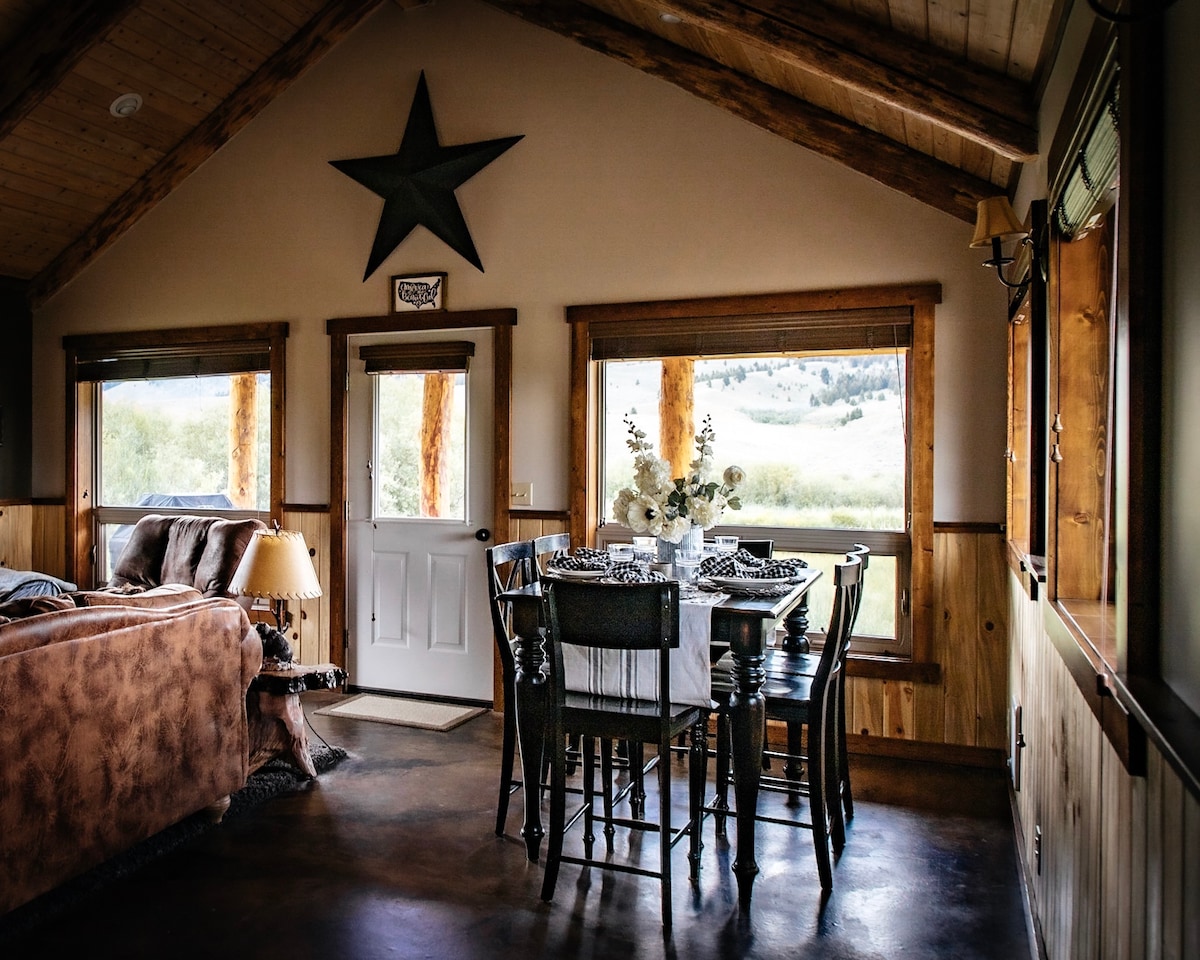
[417, 183]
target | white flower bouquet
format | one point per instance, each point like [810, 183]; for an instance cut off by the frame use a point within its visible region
[666, 507]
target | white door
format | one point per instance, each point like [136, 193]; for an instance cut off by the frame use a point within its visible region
[417, 604]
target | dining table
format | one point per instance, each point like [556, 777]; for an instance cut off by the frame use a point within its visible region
[743, 623]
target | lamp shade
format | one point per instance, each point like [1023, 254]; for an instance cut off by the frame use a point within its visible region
[996, 220]
[276, 564]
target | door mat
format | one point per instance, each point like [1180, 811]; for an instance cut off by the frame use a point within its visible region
[405, 713]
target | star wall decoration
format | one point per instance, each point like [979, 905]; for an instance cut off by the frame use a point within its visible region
[417, 183]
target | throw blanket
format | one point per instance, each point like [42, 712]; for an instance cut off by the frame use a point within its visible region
[15, 584]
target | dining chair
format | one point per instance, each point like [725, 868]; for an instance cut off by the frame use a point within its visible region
[758, 548]
[805, 664]
[509, 566]
[548, 546]
[619, 617]
[808, 704]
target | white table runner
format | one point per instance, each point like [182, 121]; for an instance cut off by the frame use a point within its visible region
[634, 675]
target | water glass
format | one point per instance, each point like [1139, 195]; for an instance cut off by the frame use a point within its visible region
[725, 544]
[620, 552]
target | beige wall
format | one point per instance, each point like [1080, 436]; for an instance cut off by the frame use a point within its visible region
[623, 187]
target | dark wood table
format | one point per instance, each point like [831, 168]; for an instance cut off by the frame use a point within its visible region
[745, 624]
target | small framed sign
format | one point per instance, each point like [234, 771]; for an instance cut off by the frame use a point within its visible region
[417, 290]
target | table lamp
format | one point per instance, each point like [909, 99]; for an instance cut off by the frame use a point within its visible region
[276, 566]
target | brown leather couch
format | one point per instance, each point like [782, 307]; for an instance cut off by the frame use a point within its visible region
[200, 552]
[115, 722]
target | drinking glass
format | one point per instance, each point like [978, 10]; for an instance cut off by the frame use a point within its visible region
[725, 543]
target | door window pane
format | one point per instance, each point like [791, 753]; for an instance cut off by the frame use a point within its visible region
[420, 446]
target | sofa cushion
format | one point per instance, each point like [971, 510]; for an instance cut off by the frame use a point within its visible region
[32, 606]
[227, 541]
[140, 563]
[165, 595]
[185, 545]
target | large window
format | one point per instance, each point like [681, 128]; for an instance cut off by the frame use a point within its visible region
[173, 421]
[823, 440]
[824, 398]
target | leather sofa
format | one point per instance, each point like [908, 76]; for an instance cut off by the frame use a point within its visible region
[199, 552]
[116, 721]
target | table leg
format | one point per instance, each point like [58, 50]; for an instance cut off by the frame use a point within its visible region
[747, 715]
[795, 639]
[531, 693]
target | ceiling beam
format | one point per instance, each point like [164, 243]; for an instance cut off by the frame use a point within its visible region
[915, 174]
[61, 35]
[982, 106]
[313, 41]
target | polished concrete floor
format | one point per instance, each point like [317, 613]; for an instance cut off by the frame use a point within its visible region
[392, 855]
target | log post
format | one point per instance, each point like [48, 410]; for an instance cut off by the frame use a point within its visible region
[243, 440]
[436, 408]
[676, 413]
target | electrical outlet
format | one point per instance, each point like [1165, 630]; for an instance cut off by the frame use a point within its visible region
[521, 495]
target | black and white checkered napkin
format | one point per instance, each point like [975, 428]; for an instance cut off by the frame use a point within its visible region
[585, 558]
[633, 571]
[747, 566]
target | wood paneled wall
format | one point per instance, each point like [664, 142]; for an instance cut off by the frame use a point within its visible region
[309, 635]
[1113, 860]
[966, 707]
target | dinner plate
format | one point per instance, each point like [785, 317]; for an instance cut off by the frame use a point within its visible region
[748, 583]
[577, 574]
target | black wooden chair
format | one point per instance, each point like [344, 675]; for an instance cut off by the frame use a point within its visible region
[808, 704]
[626, 617]
[758, 548]
[805, 664]
[509, 566]
[548, 546]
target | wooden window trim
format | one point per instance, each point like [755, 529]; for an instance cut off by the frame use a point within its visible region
[86, 352]
[672, 319]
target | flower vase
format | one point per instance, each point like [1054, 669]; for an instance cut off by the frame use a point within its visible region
[692, 543]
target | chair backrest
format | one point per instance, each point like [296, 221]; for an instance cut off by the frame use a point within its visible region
[863, 552]
[509, 566]
[758, 548]
[613, 616]
[549, 545]
[847, 587]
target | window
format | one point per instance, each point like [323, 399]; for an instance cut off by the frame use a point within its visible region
[183, 421]
[823, 440]
[810, 371]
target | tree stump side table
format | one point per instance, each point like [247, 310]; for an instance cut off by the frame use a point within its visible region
[276, 716]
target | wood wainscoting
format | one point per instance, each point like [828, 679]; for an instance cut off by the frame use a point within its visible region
[31, 536]
[309, 635]
[1112, 859]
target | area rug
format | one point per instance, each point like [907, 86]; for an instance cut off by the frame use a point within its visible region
[403, 712]
[272, 779]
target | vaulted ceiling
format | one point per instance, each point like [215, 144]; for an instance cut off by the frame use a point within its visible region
[934, 98]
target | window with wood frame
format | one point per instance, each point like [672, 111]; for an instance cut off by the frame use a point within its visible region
[171, 421]
[824, 357]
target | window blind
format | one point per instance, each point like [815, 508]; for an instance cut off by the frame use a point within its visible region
[181, 360]
[448, 356]
[863, 329]
[1090, 186]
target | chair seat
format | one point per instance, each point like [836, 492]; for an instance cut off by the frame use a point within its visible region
[595, 715]
[784, 688]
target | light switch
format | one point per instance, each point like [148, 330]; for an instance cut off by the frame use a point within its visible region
[522, 494]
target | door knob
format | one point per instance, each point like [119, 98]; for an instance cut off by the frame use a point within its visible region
[483, 534]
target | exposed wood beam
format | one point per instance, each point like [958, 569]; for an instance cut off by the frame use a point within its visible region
[312, 42]
[915, 174]
[920, 79]
[62, 34]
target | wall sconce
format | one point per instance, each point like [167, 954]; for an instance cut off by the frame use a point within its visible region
[276, 565]
[996, 222]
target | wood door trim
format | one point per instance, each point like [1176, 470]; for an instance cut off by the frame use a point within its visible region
[501, 320]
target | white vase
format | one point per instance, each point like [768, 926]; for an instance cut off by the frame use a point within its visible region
[692, 542]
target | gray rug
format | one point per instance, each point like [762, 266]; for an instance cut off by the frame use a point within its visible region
[426, 714]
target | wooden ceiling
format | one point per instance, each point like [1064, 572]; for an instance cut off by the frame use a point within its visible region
[935, 98]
